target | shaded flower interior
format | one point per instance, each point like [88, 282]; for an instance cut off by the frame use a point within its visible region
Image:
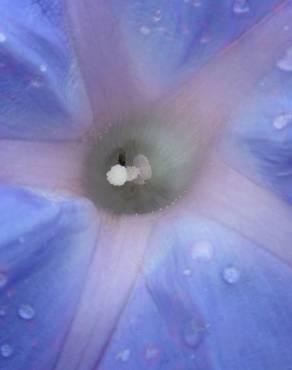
[163, 157]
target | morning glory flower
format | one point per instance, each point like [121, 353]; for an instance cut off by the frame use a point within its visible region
[145, 185]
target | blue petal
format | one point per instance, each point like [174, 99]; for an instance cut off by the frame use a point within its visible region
[41, 92]
[45, 249]
[261, 134]
[169, 37]
[211, 300]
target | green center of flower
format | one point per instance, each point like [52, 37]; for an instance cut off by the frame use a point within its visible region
[136, 168]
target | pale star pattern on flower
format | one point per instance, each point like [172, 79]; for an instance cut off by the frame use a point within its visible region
[202, 284]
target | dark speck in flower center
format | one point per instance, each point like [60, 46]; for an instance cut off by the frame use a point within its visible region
[122, 158]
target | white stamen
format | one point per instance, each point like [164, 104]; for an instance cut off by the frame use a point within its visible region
[132, 173]
[117, 175]
[141, 171]
[141, 162]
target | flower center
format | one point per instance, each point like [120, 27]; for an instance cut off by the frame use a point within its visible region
[140, 166]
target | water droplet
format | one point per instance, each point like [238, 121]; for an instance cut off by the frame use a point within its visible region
[187, 272]
[3, 280]
[231, 275]
[35, 84]
[285, 64]
[2, 37]
[205, 39]
[6, 350]
[282, 121]
[145, 30]
[2, 311]
[197, 3]
[43, 68]
[241, 7]
[157, 16]
[151, 353]
[26, 312]
[193, 333]
[202, 250]
[124, 355]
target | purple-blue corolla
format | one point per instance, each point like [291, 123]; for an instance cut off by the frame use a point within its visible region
[194, 276]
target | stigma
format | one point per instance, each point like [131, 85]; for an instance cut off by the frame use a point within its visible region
[139, 173]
